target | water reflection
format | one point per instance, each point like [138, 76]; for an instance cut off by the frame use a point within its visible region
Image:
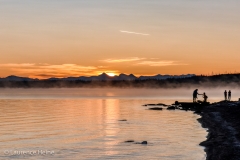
[111, 129]
[89, 128]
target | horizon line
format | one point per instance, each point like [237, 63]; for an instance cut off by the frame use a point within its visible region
[120, 74]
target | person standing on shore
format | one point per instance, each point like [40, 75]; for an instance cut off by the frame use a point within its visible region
[229, 95]
[195, 93]
[225, 95]
[205, 97]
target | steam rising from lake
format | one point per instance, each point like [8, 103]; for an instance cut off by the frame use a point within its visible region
[163, 95]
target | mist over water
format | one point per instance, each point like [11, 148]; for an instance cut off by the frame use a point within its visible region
[164, 95]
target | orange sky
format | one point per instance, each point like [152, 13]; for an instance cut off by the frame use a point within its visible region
[73, 38]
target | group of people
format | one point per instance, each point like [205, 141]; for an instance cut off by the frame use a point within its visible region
[195, 93]
[227, 95]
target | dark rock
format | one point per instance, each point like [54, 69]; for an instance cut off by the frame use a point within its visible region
[151, 104]
[155, 108]
[171, 108]
[143, 142]
[162, 104]
[129, 141]
[159, 104]
[122, 120]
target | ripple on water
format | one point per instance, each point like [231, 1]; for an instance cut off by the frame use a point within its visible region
[90, 129]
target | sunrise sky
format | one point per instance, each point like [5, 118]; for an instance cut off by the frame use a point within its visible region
[59, 38]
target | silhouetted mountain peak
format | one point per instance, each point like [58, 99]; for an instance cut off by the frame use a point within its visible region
[102, 77]
[123, 76]
[13, 76]
[103, 74]
[132, 76]
[16, 78]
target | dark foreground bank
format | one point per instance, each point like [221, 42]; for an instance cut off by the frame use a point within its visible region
[222, 120]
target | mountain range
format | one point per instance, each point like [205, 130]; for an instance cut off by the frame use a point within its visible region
[101, 77]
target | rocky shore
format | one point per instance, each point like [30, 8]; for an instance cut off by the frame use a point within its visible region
[222, 121]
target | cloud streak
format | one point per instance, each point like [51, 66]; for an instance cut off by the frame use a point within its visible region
[160, 63]
[130, 59]
[129, 32]
[152, 62]
[17, 65]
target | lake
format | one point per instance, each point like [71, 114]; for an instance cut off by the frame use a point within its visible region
[86, 124]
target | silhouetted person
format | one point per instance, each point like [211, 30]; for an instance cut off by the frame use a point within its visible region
[205, 97]
[195, 93]
[225, 95]
[229, 95]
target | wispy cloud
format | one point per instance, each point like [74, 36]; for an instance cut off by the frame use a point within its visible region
[17, 65]
[129, 32]
[145, 61]
[160, 63]
[130, 59]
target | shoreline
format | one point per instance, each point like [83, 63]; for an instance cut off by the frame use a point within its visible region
[222, 120]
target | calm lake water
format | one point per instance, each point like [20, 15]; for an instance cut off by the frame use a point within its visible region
[84, 124]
